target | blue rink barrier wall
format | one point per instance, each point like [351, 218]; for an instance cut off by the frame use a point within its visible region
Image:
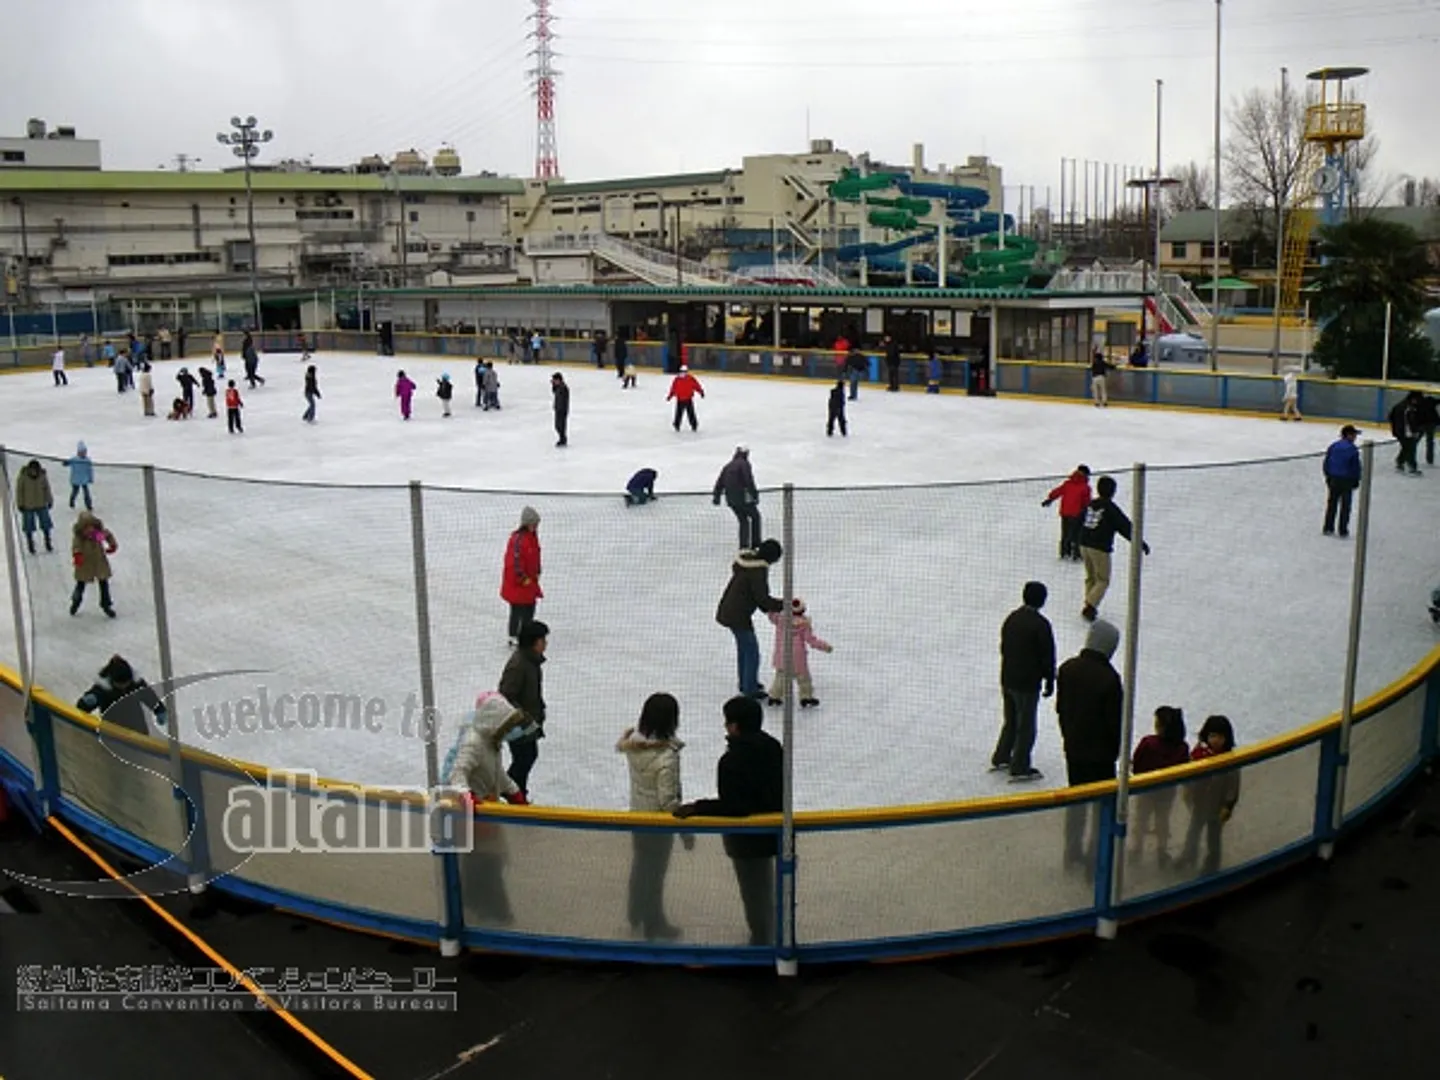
[871, 884]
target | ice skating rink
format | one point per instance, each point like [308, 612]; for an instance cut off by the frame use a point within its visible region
[291, 560]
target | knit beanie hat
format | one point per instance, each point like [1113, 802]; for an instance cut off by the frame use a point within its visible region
[1103, 638]
[797, 606]
[770, 551]
[529, 518]
[81, 449]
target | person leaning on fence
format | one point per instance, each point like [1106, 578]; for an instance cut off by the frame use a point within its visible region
[652, 753]
[1088, 699]
[1211, 798]
[33, 498]
[523, 684]
[1103, 519]
[1027, 660]
[1165, 749]
[749, 780]
[1099, 369]
[120, 697]
[1342, 470]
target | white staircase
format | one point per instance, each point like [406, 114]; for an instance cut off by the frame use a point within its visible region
[806, 275]
[1188, 314]
[650, 265]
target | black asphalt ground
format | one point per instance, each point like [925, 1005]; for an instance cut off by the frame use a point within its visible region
[1327, 971]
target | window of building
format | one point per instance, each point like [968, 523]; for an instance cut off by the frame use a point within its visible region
[14, 157]
[557, 211]
[469, 215]
[411, 197]
[324, 215]
[1178, 251]
[1207, 249]
[178, 258]
[414, 217]
[417, 247]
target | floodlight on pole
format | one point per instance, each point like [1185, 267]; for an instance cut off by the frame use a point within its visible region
[246, 141]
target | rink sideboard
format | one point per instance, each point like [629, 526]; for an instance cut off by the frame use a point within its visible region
[871, 884]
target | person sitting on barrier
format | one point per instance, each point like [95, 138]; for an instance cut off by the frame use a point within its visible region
[653, 754]
[1211, 798]
[641, 488]
[750, 780]
[1163, 750]
[121, 698]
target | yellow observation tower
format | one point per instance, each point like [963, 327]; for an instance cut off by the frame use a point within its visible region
[1333, 120]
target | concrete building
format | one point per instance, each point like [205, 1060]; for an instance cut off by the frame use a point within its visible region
[44, 149]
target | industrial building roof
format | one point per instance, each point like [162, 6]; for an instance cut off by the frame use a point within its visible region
[1189, 226]
[596, 187]
[88, 180]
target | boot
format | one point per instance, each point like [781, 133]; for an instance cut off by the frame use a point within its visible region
[809, 702]
[1088, 613]
[48, 545]
[774, 701]
[76, 597]
[30, 542]
[106, 605]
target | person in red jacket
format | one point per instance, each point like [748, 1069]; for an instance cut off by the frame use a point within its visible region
[1165, 749]
[520, 577]
[233, 405]
[1074, 495]
[683, 389]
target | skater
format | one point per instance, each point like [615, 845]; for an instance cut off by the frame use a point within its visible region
[233, 405]
[57, 367]
[34, 499]
[1429, 421]
[180, 343]
[622, 356]
[179, 410]
[802, 640]
[405, 391]
[936, 373]
[641, 488]
[479, 383]
[837, 410]
[121, 697]
[251, 356]
[1099, 369]
[110, 353]
[1088, 699]
[1342, 476]
[1211, 798]
[492, 386]
[522, 682]
[597, 349]
[164, 343]
[1290, 402]
[147, 390]
[82, 475]
[304, 344]
[187, 388]
[91, 544]
[737, 482]
[122, 373]
[312, 394]
[856, 367]
[652, 753]
[683, 389]
[1074, 495]
[217, 353]
[892, 363]
[520, 576]
[1405, 423]
[87, 351]
[208, 392]
[561, 394]
[536, 344]
[748, 591]
[1027, 660]
[1103, 519]
[445, 391]
[750, 781]
[629, 378]
[1165, 749]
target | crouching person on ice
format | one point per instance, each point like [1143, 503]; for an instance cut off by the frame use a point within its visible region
[473, 764]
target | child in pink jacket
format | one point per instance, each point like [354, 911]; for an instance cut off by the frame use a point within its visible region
[404, 390]
[802, 640]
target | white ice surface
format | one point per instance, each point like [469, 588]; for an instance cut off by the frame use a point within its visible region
[1245, 604]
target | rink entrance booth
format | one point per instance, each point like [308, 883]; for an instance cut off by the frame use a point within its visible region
[880, 882]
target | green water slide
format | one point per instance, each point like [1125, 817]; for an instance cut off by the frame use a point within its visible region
[852, 185]
[993, 266]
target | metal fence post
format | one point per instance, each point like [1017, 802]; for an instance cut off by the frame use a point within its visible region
[786, 961]
[446, 875]
[1352, 647]
[1108, 925]
[192, 808]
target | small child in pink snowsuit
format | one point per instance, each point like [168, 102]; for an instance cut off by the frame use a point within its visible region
[404, 390]
[802, 640]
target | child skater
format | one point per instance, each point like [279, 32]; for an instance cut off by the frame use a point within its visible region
[1211, 798]
[233, 405]
[180, 410]
[491, 383]
[936, 373]
[217, 350]
[1165, 749]
[641, 488]
[837, 410]
[91, 545]
[802, 640]
[404, 390]
[444, 390]
[1074, 496]
[628, 383]
[82, 475]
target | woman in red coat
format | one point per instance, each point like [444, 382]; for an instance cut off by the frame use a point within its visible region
[520, 577]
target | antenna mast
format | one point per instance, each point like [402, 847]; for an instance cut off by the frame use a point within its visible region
[547, 157]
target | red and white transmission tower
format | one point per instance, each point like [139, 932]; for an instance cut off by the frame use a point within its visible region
[547, 157]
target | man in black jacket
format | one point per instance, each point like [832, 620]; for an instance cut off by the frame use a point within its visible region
[121, 699]
[737, 483]
[750, 779]
[1088, 700]
[562, 406]
[1103, 519]
[1027, 659]
[748, 591]
[1429, 421]
[892, 363]
[1406, 420]
[523, 685]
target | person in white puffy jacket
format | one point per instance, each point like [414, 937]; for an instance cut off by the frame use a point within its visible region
[653, 754]
[473, 764]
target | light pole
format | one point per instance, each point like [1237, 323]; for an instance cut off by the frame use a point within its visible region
[246, 140]
[1151, 183]
[1280, 212]
[1215, 275]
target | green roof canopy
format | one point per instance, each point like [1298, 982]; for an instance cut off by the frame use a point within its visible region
[1227, 284]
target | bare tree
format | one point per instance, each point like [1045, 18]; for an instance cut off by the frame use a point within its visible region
[1419, 190]
[1264, 152]
[1196, 184]
[1367, 188]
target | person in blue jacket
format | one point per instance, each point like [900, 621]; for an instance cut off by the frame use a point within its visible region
[82, 475]
[1342, 477]
[641, 488]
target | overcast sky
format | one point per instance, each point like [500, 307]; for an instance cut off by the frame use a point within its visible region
[650, 86]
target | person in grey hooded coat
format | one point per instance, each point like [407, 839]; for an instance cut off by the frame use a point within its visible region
[1089, 697]
[736, 483]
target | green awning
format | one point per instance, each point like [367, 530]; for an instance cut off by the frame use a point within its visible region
[1227, 284]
